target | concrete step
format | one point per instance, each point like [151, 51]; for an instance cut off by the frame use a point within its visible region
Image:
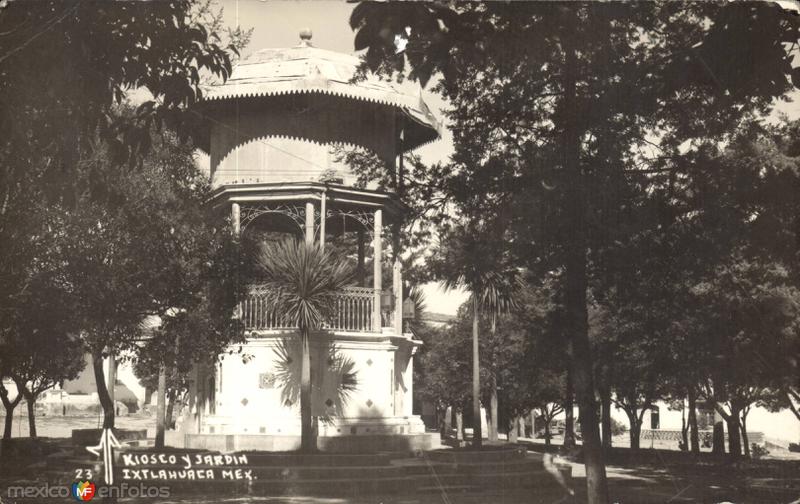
[351, 486]
[259, 466]
[449, 489]
[203, 458]
[282, 474]
[474, 468]
[346, 472]
[322, 459]
[485, 455]
[318, 481]
[288, 473]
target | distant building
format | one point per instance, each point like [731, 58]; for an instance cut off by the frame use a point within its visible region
[84, 385]
[438, 319]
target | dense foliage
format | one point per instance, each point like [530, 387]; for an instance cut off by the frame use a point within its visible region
[570, 119]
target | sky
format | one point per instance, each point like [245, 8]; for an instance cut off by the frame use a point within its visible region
[278, 23]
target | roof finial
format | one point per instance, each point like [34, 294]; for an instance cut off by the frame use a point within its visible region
[305, 37]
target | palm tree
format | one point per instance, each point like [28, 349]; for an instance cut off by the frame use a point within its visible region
[302, 281]
[498, 297]
[476, 260]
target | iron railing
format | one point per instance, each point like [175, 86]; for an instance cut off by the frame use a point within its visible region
[354, 311]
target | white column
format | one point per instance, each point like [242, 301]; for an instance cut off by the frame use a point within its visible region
[323, 210]
[309, 223]
[408, 379]
[235, 217]
[397, 288]
[236, 223]
[377, 245]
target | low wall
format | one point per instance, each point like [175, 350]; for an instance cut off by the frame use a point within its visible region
[88, 437]
[675, 435]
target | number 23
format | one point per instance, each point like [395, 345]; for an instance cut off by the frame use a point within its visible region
[83, 474]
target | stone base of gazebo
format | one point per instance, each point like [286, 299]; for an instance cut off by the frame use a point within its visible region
[340, 436]
[252, 402]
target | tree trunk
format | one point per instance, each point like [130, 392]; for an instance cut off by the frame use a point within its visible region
[719, 435]
[521, 425]
[734, 439]
[533, 423]
[31, 401]
[8, 423]
[476, 376]
[169, 422]
[102, 391]
[575, 251]
[512, 431]
[493, 408]
[569, 413]
[547, 421]
[459, 425]
[745, 437]
[792, 399]
[111, 383]
[606, 417]
[684, 431]
[9, 407]
[635, 430]
[307, 442]
[160, 405]
[694, 435]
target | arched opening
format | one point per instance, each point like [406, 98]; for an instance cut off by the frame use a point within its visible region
[350, 236]
[271, 226]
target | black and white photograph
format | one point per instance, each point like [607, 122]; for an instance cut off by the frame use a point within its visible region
[400, 252]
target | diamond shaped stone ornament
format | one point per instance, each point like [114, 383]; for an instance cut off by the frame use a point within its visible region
[328, 403]
[369, 362]
[369, 403]
[245, 401]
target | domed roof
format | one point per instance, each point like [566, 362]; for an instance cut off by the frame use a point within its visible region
[307, 69]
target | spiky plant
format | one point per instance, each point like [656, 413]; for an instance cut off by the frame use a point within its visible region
[302, 281]
[339, 373]
[417, 297]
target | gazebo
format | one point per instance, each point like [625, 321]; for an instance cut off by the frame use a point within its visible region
[272, 132]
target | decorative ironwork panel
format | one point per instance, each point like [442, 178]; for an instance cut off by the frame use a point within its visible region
[297, 213]
[363, 217]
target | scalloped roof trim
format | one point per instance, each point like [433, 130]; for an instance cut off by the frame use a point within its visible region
[219, 94]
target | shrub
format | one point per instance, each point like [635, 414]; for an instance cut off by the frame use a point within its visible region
[618, 428]
[758, 451]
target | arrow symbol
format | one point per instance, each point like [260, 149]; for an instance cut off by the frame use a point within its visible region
[107, 443]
